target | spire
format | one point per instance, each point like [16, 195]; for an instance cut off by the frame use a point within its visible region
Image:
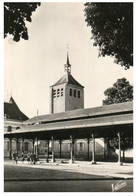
[67, 66]
[67, 59]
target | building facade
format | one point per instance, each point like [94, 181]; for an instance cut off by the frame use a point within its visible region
[13, 120]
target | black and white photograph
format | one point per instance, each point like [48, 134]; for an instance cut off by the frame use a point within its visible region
[68, 96]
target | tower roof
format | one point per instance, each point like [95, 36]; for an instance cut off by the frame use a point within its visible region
[68, 79]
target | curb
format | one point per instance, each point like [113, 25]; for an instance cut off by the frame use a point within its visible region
[69, 179]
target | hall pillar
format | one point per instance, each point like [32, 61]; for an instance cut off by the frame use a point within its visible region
[10, 148]
[33, 145]
[93, 149]
[106, 153]
[53, 151]
[60, 148]
[119, 146]
[36, 147]
[17, 146]
[23, 145]
[88, 141]
[71, 149]
[47, 152]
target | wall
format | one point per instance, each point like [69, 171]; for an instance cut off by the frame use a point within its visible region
[58, 101]
[71, 102]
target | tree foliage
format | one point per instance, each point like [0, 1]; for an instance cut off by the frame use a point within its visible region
[121, 91]
[126, 143]
[15, 16]
[112, 30]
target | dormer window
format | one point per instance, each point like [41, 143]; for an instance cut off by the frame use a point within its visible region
[74, 92]
[9, 128]
[70, 92]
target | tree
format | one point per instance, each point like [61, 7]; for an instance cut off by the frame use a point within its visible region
[126, 144]
[121, 91]
[112, 30]
[15, 16]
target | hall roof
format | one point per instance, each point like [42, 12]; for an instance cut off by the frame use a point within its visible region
[105, 110]
[68, 79]
[11, 111]
[105, 121]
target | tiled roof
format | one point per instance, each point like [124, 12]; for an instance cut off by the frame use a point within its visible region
[84, 113]
[67, 78]
[79, 124]
[11, 111]
[119, 115]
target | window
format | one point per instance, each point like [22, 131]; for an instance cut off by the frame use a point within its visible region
[62, 92]
[19, 146]
[26, 146]
[8, 145]
[78, 94]
[54, 93]
[9, 128]
[81, 146]
[58, 92]
[70, 92]
[69, 146]
[75, 93]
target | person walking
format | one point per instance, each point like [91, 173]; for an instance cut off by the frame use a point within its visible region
[15, 158]
[31, 158]
[28, 157]
[22, 157]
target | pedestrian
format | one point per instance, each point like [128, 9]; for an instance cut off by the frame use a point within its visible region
[34, 158]
[16, 158]
[28, 157]
[22, 157]
[31, 158]
[13, 157]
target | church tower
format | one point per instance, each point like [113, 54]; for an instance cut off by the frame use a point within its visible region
[66, 94]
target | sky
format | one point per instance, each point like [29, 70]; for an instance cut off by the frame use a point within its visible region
[31, 66]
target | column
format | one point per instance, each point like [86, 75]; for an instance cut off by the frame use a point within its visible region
[53, 153]
[106, 149]
[23, 145]
[88, 141]
[47, 154]
[36, 147]
[119, 146]
[93, 149]
[33, 147]
[71, 149]
[60, 145]
[17, 145]
[48, 149]
[10, 148]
